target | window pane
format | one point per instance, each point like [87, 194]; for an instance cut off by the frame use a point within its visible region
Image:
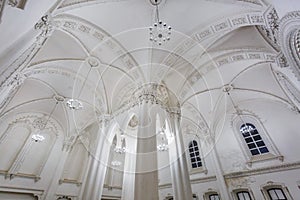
[276, 194]
[254, 132]
[264, 150]
[248, 140]
[260, 143]
[214, 197]
[257, 137]
[251, 146]
[194, 154]
[243, 196]
[254, 152]
[272, 194]
[246, 134]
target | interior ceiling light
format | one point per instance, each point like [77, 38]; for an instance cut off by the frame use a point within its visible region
[160, 32]
[163, 146]
[38, 137]
[75, 103]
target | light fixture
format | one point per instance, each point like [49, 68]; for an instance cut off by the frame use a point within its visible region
[163, 146]
[75, 103]
[40, 124]
[160, 32]
[121, 149]
[116, 163]
[37, 137]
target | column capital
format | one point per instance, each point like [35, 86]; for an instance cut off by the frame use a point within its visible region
[104, 119]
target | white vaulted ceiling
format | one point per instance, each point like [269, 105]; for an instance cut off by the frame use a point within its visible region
[116, 33]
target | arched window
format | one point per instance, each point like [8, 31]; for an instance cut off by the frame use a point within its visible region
[276, 194]
[243, 195]
[195, 154]
[253, 139]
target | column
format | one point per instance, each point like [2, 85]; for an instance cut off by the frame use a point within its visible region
[219, 174]
[50, 194]
[97, 170]
[179, 170]
[146, 178]
[129, 169]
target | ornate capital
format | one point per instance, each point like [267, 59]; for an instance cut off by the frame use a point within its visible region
[46, 25]
[151, 93]
[281, 60]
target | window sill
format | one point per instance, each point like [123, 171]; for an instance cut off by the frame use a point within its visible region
[264, 157]
[198, 170]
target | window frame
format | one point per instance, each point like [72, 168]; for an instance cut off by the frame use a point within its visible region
[271, 185]
[253, 139]
[193, 145]
[268, 191]
[206, 195]
[243, 192]
[190, 137]
[273, 153]
[237, 191]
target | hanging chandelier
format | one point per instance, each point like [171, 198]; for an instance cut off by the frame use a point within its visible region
[163, 146]
[40, 124]
[160, 32]
[75, 103]
[121, 149]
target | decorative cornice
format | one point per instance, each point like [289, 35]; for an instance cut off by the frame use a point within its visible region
[264, 170]
[193, 181]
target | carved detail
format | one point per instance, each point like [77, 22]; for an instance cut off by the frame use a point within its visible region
[45, 24]
[17, 3]
[271, 29]
[64, 198]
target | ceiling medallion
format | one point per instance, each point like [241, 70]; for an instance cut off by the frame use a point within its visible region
[160, 32]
